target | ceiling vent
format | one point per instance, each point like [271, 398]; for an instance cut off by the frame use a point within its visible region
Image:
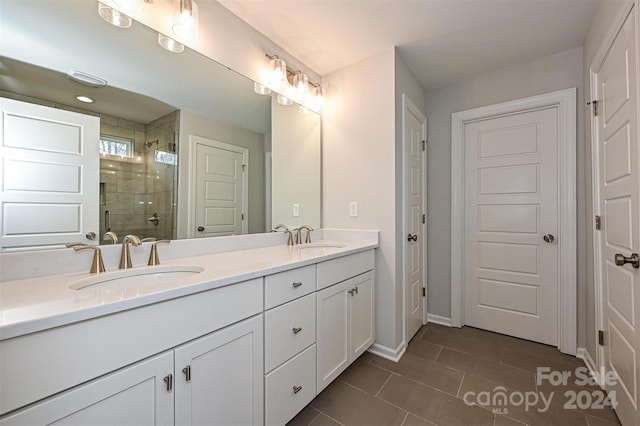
[86, 79]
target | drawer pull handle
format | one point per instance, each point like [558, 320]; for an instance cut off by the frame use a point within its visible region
[297, 284]
[297, 389]
[297, 330]
[187, 373]
[169, 381]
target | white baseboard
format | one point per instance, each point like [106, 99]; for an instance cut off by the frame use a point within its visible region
[437, 319]
[584, 355]
[388, 353]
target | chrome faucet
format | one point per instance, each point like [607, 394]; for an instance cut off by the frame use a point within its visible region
[286, 230]
[97, 265]
[299, 234]
[110, 235]
[125, 256]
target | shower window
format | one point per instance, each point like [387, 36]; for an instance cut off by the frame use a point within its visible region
[112, 145]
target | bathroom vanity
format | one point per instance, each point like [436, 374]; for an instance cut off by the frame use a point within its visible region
[249, 337]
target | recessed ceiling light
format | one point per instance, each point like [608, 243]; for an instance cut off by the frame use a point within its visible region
[84, 99]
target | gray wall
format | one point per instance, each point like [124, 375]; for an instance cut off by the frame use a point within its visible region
[544, 75]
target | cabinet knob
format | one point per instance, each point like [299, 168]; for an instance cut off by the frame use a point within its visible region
[297, 389]
[297, 330]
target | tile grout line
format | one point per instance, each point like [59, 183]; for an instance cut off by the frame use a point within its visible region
[385, 384]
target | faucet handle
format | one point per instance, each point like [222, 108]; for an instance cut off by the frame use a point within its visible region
[110, 235]
[153, 256]
[144, 240]
[133, 239]
[97, 264]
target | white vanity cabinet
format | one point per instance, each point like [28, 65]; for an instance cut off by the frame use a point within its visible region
[289, 343]
[134, 395]
[217, 378]
[345, 307]
[213, 380]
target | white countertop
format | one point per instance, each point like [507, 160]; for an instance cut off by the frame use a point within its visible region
[36, 304]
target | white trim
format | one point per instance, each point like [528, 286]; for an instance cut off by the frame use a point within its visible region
[267, 191]
[595, 173]
[388, 353]
[565, 100]
[195, 140]
[409, 106]
[594, 371]
[438, 319]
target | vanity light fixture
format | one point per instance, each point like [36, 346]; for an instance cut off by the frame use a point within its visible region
[170, 44]
[113, 16]
[299, 88]
[185, 21]
[278, 76]
[300, 84]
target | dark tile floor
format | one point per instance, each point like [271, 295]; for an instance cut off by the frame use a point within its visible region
[453, 377]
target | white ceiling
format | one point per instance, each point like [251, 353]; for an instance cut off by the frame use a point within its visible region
[442, 41]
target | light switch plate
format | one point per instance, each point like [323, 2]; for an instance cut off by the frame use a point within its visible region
[296, 209]
[353, 209]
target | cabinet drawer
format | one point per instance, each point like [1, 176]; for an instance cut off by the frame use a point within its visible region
[284, 286]
[333, 271]
[289, 388]
[289, 329]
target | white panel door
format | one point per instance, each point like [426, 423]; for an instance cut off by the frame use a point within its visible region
[618, 176]
[49, 174]
[135, 395]
[511, 209]
[414, 152]
[219, 377]
[220, 190]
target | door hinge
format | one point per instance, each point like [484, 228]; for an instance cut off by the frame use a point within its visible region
[244, 167]
[601, 337]
[424, 218]
[424, 145]
[594, 108]
[598, 223]
[424, 292]
[241, 216]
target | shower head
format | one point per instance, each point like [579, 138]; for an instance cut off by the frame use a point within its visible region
[148, 144]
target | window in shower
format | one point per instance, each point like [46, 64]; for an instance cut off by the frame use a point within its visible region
[113, 145]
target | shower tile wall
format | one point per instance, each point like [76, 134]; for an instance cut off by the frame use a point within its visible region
[132, 190]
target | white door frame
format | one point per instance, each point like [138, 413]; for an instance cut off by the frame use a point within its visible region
[595, 172]
[408, 105]
[193, 142]
[565, 101]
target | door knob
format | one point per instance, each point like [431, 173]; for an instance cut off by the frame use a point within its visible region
[549, 238]
[413, 237]
[200, 228]
[634, 260]
[91, 235]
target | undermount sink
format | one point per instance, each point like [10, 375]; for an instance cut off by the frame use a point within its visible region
[136, 277]
[321, 244]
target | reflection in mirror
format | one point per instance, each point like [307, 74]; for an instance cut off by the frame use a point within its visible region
[186, 143]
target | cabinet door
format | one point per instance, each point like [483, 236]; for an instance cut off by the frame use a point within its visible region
[219, 377]
[333, 332]
[361, 315]
[135, 395]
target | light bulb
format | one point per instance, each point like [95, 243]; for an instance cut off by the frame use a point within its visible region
[278, 73]
[300, 84]
[185, 22]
